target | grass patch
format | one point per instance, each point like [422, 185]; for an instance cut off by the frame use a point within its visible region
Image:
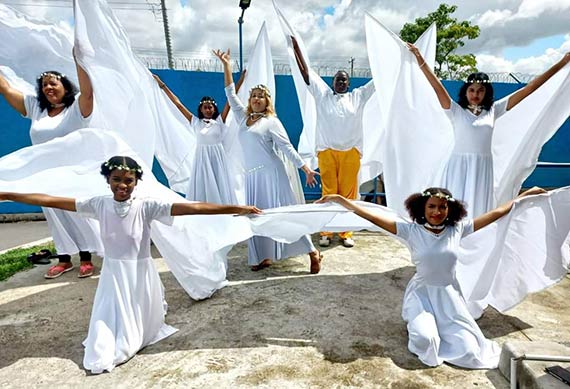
[15, 260]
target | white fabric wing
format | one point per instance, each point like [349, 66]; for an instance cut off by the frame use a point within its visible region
[520, 134]
[418, 136]
[127, 96]
[31, 46]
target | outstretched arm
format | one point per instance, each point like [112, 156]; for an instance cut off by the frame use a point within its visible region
[379, 220]
[187, 114]
[225, 58]
[497, 213]
[226, 109]
[86, 89]
[14, 97]
[522, 93]
[179, 209]
[303, 68]
[65, 203]
[442, 95]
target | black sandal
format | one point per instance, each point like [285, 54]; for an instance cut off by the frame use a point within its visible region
[42, 257]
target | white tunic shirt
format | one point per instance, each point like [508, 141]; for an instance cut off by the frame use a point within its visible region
[339, 116]
[45, 127]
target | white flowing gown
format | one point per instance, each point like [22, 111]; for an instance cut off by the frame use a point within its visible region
[468, 173]
[440, 327]
[70, 233]
[266, 182]
[129, 308]
[210, 180]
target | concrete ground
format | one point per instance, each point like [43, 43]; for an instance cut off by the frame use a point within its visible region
[277, 328]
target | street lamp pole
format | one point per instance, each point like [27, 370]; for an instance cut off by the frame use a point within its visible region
[243, 4]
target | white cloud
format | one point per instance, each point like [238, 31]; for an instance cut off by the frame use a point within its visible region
[206, 24]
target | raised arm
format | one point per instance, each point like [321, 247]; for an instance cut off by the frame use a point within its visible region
[226, 109]
[522, 93]
[179, 209]
[442, 95]
[225, 58]
[14, 97]
[187, 114]
[65, 203]
[497, 213]
[303, 68]
[86, 89]
[379, 220]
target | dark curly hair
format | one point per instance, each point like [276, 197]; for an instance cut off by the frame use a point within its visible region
[120, 162]
[416, 204]
[208, 99]
[474, 78]
[70, 90]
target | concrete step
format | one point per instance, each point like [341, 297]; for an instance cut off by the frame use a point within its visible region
[530, 374]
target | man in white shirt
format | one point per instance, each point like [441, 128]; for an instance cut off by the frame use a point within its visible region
[338, 135]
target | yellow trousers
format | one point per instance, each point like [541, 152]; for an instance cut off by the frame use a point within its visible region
[339, 175]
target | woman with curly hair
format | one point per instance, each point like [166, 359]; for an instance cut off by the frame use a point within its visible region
[440, 327]
[57, 109]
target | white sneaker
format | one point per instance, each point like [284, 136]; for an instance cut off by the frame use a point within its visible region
[325, 241]
[348, 242]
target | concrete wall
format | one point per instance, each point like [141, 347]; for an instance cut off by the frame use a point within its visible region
[191, 86]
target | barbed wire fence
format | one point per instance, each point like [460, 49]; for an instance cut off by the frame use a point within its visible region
[282, 67]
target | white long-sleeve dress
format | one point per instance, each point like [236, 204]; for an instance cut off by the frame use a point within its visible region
[266, 182]
[70, 233]
[440, 327]
[468, 173]
[129, 308]
[210, 180]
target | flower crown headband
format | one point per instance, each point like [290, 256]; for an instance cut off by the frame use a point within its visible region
[261, 87]
[439, 195]
[112, 167]
[478, 82]
[49, 74]
[213, 102]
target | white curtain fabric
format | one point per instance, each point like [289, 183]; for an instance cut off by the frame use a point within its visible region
[371, 161]
[419, 138]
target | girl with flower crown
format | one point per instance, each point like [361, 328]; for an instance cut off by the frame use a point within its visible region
[469, 170]
[440, 327]
[266, 181]
[211, 178]
[129, 308]
[55, 111]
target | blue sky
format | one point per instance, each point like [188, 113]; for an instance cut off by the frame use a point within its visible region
[536, 48]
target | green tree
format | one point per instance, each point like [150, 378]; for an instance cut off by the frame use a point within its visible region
[451, 35]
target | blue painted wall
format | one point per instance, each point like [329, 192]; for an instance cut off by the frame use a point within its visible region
[191, 86]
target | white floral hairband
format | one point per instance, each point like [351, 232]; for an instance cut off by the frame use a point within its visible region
[439, 195]
[49, 74]
[122, 167]
[478, 82]
[261, 87]
[213, 102]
